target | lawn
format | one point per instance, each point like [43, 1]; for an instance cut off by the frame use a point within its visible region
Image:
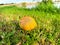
[46, 33]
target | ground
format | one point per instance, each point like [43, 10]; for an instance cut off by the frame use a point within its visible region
[46, 33]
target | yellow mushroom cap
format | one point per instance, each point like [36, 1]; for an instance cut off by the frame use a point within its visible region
[27, 23]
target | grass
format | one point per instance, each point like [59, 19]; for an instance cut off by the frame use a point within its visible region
[46, 33]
